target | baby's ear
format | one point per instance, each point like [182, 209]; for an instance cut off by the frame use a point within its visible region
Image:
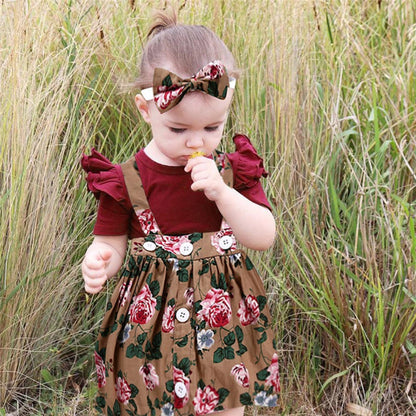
[143, 107]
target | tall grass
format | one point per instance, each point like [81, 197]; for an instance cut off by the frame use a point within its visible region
[327, 95]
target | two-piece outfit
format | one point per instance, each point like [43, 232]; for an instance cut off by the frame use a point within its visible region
[187, 330]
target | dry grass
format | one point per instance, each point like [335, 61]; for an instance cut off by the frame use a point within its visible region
[328, 96]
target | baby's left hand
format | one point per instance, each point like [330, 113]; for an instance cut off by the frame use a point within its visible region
[204, 173]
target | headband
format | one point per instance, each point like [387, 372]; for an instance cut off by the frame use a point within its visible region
[169, 89]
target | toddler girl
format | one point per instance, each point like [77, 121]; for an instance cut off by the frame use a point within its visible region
[187, 330]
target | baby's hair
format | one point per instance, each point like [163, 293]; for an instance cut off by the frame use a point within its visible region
[182, 49]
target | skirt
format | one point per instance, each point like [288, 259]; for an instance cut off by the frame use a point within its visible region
[186, 332]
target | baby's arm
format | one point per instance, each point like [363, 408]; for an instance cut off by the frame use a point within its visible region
[252, 224]
[102, 261]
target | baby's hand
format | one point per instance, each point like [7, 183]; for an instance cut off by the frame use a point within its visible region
[205, 176]
[94, 268]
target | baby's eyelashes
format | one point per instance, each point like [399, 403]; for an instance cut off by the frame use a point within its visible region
[208, 129]
[176, 130]
[211, 128]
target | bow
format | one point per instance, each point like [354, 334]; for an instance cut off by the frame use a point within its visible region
[169, 88]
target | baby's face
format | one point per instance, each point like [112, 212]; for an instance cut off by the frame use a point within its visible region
[196, 124]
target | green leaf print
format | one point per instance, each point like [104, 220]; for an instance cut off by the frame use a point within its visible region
[201, 384]
[167, 81]
[171, 302]
[99, 411]
[240, 338]
[197, 306]
[154, 287]
[158, 306]
[223, 393]
[114, 327]
[149, 403]
[132, 263]
[117, 409]
[134, 391]
[157, 340]
[205, 268]
[183, 342]
[149, 279]
[263, 338]
[109, 411]
[169, 386]
[183, 275]
[240, 334]
[229, 353]
[145, 267]
[194, 237]
[249, 264]
[262, 375]
[141, 338]
[229, 339]
[219, 355]
[183, 264]
[213, 88]
[163, 254]
[214, 281]
[100, 402]
[152, 351]
[185, 365]
[242, 350]
[104, 333]
[264, 318]
[262, 301]
[135, 351]
[125, 272]
[222, 283]
[245, 399]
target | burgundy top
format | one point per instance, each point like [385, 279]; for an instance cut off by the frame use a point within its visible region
[177, 209]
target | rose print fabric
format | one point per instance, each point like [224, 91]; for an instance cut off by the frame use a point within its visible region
[169, 88]
[187, 330]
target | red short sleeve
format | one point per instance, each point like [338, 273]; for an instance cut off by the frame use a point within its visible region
[248, 170]
[105, 181]
[108, 209]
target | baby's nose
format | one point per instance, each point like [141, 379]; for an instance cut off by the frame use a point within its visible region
[195, 141]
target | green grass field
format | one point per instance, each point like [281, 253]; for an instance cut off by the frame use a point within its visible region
[327, 94]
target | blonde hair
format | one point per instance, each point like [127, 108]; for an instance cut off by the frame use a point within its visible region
[182, 49]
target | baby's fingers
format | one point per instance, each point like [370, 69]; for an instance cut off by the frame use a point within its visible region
[93, 273]
[94, 287]
[93, 263]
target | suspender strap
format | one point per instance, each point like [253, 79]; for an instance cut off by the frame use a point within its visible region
[134, 184]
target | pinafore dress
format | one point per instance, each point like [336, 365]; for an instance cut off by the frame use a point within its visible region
[187, 330]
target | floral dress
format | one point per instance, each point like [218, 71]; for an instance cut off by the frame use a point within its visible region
[187, 330]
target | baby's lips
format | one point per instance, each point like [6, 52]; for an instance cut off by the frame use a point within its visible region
[196, 154]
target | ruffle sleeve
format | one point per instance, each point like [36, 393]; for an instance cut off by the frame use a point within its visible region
[103, 176]
[247, 164]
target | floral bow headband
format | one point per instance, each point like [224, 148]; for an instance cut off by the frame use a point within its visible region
[169, 89]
